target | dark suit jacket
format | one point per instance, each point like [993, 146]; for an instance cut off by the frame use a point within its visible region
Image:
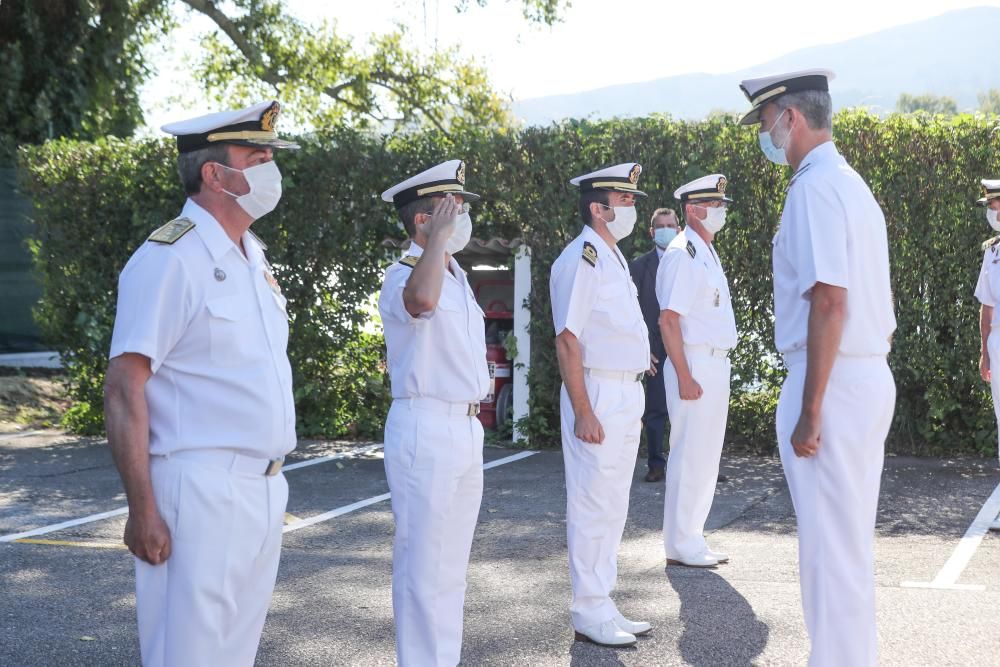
[643, 270]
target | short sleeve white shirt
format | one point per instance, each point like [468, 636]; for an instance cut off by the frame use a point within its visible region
[691, 282]
[599, 304]
[214, 326]
[832, 231]
[441, 353]
[988, 285]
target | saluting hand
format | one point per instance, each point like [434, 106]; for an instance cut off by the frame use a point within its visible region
[148, 539]
[442, 220]
[805, 437]
[588, 428]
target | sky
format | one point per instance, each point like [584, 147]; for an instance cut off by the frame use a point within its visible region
[598, 43]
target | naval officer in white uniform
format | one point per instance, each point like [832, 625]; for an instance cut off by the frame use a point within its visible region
[436, 343]
[698, 330]
[603, 349]
[833, 323]
[198, 400]
[988, 294]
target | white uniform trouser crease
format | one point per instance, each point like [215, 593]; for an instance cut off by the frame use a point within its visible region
[433, 462]
[835, 495]
[598, 480]
[993, 349]
[697, 431]
[207, 604]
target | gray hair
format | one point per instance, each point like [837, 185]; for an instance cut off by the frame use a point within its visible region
[189, 165]
[815, 105]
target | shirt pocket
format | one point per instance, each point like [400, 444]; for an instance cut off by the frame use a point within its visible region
[227, 324]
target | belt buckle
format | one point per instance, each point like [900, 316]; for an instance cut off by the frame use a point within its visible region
[473, 410]
[274, 467]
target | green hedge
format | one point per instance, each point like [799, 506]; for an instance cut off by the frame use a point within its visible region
[96, 202]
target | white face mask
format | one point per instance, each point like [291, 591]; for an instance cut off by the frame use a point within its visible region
[624, 221]
[991, 217]
[264, 181]
[769, 147]
[714, 220]
[462, 234]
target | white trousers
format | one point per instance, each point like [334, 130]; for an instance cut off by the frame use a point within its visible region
[993, 349]
[598, 480]
[697, 431]
[434, 464]
[835, 495]
[207, 603]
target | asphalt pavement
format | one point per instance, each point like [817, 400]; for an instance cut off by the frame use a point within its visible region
[66, 594]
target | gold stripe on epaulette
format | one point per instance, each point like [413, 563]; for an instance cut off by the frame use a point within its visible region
[589, 253]
[409, 260]
[170, 232]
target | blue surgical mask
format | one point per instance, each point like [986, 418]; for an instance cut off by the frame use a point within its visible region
[768, 147]
[662, 236]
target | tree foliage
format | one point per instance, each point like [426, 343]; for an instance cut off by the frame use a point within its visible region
[98, 201]
[932, 104]
[73, 68]
[989, 102]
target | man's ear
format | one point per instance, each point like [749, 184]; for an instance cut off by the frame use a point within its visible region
[210, 176]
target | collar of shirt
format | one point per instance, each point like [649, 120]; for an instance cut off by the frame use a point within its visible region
[215, 238]
[822, 153]
[603, 249]
[701, 248]
[455, 269]
[659, 252]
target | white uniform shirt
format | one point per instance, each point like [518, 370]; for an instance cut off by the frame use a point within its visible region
[217, 348]
[599, 303]
[832, 231]
[439, 354]
[988, 285]
[695, 287]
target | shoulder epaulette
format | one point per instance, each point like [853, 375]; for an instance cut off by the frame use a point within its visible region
[409, 260]
[691, 250]
[589, 253]
[170, 232]
[263, 246]
[989, 243]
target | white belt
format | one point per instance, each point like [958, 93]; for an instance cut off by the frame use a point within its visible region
[621, 376]
[706, 350]
[443, 407]
[231, 461]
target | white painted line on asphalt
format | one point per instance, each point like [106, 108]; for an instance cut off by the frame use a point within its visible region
[960, 557]
[347, 509]
[15, 436]
[65, 524]
[124, 510]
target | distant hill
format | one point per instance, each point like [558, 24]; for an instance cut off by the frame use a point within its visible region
[951, 55]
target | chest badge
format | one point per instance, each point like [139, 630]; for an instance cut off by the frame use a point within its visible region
[272, 283]
[220, 275]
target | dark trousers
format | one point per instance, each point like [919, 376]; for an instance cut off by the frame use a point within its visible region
[655, 418]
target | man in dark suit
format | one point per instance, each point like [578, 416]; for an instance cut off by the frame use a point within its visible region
[662, 229]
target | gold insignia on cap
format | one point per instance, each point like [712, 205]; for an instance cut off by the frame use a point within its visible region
[270, 117]
[460, 174]
[721, 185]
[633, 176]
[986, 191]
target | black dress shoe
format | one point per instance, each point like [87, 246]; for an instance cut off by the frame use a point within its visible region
[655, 475]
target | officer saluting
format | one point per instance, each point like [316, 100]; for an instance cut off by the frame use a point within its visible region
[198, 400]
[833, 319]
[603, 350]
[698, 329]
[436, 343]
[988, 293]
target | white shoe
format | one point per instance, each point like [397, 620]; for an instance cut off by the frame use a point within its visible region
[606, 634]
[719, 556]
[704, 559]
[634, 627]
